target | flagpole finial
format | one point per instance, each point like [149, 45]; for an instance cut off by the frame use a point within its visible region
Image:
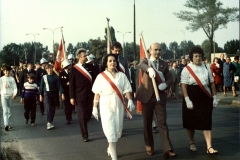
[140, 33]
[108, 19]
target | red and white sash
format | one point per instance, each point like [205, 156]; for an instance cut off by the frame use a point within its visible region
[81, 69]
[198, 81]
[122, 69]
[129, 115]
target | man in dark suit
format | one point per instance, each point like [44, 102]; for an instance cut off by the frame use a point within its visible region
[221, 60]
[82, 76]
[39, 74]
[116, 48]
[64, 79]
[146, 95]
[25, 73]
[176, 79]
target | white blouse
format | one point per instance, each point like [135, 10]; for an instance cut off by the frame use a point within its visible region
[204, 75]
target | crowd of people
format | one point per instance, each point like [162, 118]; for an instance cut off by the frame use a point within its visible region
[92, 89]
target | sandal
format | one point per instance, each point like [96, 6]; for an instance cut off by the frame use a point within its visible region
[192, 147]
[212, 152]
[224, 94]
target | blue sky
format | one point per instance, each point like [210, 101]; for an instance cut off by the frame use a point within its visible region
[85, 19]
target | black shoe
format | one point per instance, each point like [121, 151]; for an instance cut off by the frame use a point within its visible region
[6, 128]
[42, 114]
[154, 130]
[68, 122]
[85, 139]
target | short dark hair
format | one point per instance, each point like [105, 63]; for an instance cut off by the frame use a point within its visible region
[116, 45]
[215, 58]
[6, 67]
[49, 66]
[236, 57]
[31, 76]
[195, 49]
[105, 59]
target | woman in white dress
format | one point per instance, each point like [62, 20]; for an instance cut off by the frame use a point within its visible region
[111, 107]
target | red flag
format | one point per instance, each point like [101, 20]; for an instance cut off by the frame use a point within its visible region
[109, 39]
[60, 57]
[142, 55]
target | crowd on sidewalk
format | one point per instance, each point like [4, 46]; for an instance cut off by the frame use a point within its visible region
[85, 87]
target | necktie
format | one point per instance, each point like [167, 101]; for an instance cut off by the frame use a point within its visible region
[155, 63]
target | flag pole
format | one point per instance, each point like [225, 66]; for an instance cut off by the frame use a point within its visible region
[109, 40]
[153, 79]
[63, 44]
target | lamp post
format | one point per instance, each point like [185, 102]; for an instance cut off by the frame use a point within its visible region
[34, 35]
[123, 39]
[53, 30]
[183, 34]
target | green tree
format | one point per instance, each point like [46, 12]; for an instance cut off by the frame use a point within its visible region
[209, 16]
[129, 51]
[10, 54]
[98, 48]
[112, 32]
[70, 49]
[207, 48]
[231, 47]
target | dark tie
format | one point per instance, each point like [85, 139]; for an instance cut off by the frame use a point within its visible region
[155, 63]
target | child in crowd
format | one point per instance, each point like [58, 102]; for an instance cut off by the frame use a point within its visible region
[29, 96]
[8, 90]
[50, 87]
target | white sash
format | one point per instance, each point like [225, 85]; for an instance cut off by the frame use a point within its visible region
[46, 82]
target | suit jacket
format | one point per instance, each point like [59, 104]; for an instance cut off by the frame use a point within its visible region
[124, 62]
[25, 72]
[174, 74]
[64, 79]
[145, 90]
[80, 87]
[39, 74]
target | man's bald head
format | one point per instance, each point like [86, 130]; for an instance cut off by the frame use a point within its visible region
[155, 50]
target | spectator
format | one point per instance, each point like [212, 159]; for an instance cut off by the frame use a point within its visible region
[228, 77]
[216, 73]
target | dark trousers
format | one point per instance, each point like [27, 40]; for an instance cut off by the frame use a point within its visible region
[160, 111]
[68, 107]
[82, 110]
[30, 108]
[41, 104]
[51, 101]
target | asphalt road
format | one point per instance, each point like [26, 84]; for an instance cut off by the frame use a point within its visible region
[64, 142]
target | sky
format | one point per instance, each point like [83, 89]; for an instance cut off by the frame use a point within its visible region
[86, 19]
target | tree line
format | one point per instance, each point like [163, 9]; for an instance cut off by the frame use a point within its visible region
[12, 53]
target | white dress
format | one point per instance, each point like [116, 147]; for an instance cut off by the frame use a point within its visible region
[111, 107]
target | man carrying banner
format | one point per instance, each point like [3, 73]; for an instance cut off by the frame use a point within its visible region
[81, 78]
[158, 69]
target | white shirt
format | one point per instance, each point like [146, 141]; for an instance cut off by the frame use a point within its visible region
[203, 74]
[8, 86]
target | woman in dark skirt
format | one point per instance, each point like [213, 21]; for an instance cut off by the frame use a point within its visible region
[198, 100]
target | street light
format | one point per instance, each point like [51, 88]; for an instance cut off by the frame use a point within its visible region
[34, 61]
[183, 34]
[53, 36]
[123, 39]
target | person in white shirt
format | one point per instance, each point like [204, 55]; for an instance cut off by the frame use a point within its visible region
[8, 90]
